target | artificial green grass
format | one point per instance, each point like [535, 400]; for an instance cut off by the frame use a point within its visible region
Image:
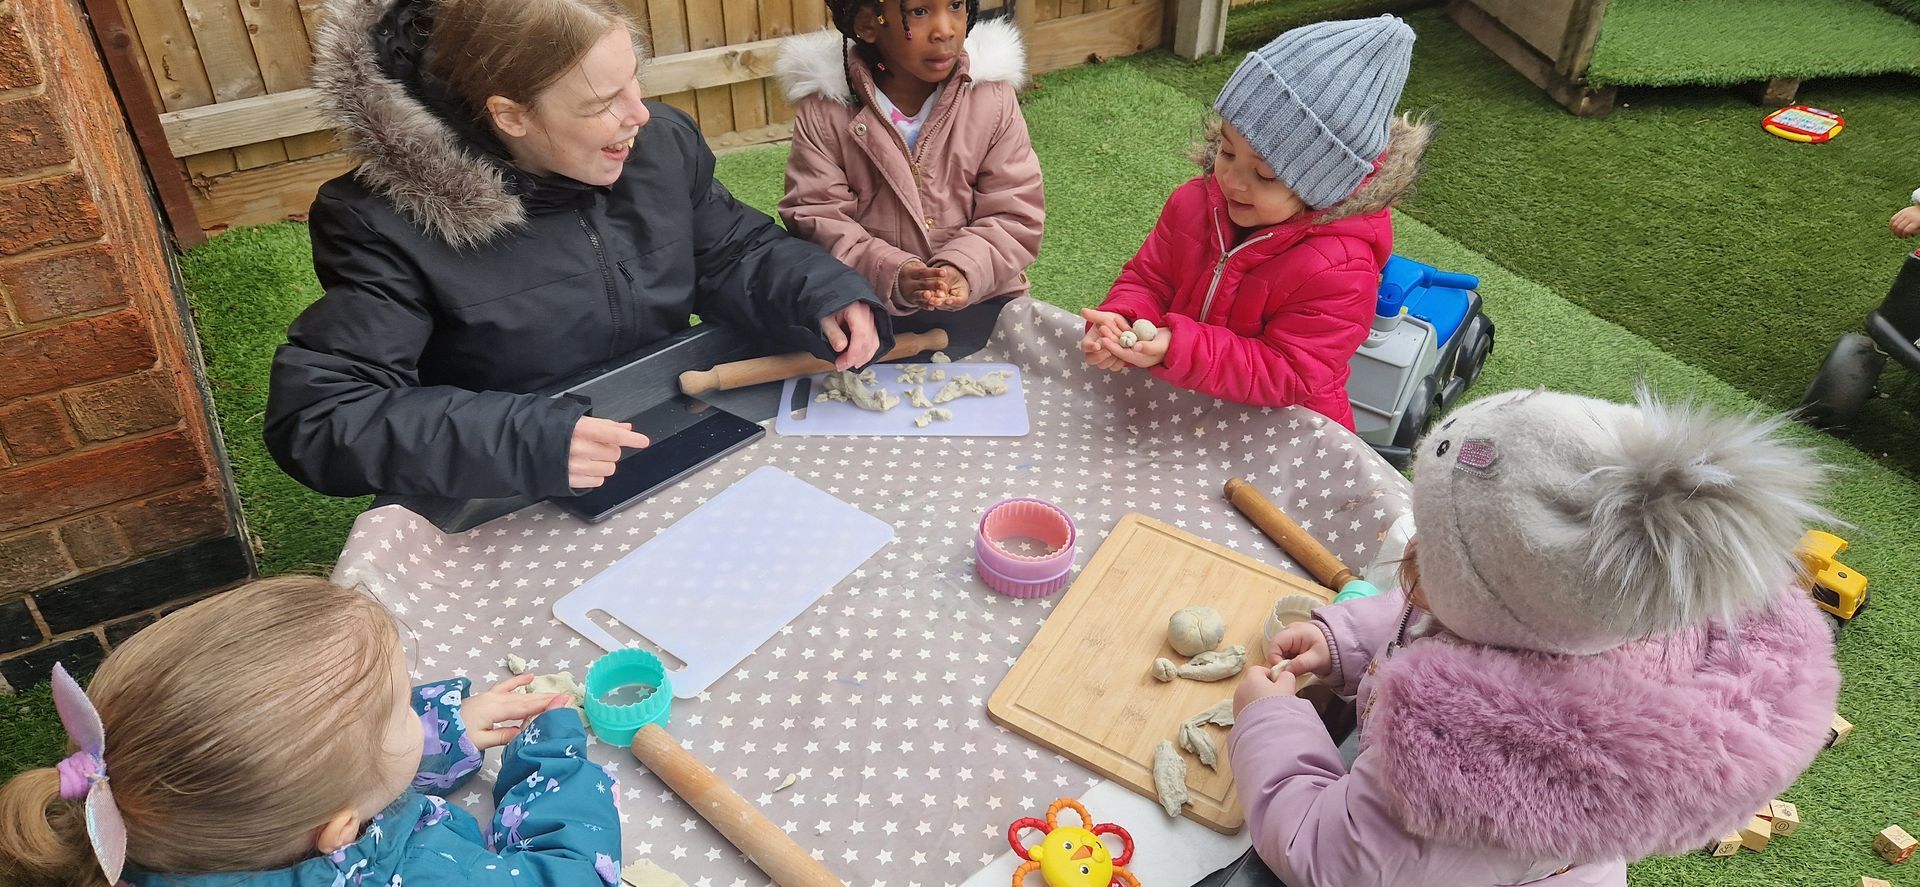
[1676, 217]
[1723, 42]
[245, 287]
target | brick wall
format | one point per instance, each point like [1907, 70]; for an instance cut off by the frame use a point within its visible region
[113, 504]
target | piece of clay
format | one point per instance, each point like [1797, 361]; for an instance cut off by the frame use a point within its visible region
[822, 398]
[644, 873]
[516, 665]
[941, 357]
[1196, 740]
[938, 376]
[1220, 714]
[1170, 778]
[857, 389]
[1195, 630]
[1144, 330]
[941, 415]
[1215, 665]
[1163, 670]
[989, 385]
[912, 374]
[923, 420]
[558, 682]
[1128, 339]
[917, 396]
[787, 783]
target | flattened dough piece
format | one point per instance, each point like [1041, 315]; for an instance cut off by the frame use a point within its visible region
[1215, 665]
[644, 873]
[559, 682]
[1170, 778]
[1194, 738]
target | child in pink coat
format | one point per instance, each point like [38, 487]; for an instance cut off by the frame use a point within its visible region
[910, 159]
[1263, 273]
[1602, 654]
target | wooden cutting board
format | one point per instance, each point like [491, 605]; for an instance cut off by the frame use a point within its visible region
[1083, 687]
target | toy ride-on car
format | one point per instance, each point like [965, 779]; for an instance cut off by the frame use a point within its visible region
[1851, 373]
[1429, 342]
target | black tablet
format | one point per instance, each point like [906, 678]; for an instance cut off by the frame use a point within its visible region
[687, 435]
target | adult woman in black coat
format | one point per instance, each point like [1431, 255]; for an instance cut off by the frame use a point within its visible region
[519, 213]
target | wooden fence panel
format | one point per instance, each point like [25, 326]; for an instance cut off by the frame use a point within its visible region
[231, 79]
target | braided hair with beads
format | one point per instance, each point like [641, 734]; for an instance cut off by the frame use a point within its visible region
[845, 11]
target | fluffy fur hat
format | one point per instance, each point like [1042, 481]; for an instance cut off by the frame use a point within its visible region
[1565, 524]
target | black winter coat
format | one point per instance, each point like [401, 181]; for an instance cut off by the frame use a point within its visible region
[456, 286]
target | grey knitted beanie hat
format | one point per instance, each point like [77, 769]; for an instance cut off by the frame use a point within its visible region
[1317, 101]
[1570, 525]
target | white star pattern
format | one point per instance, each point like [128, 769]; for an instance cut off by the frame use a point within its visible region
[875, 696]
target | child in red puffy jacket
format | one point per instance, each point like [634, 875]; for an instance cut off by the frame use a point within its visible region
[1263, 273]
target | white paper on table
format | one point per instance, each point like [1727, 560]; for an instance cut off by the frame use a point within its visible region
[1167, 852]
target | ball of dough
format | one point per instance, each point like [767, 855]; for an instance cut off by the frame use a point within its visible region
[1128, 339]
[1145, 330]
[1195, 630]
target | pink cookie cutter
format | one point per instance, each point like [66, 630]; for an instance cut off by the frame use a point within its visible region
[1020, 575]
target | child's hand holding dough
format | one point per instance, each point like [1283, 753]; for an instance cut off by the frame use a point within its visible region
[1301, 649]
[1145, 353]
[483, 713]
[1102, 327]
[1258, 683]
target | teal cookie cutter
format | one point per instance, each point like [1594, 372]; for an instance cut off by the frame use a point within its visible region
[616, 723]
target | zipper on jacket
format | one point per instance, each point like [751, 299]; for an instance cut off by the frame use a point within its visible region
[951, 101]
[1220, 267]
[606, 275]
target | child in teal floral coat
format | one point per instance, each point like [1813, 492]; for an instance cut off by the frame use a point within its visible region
[267, 736]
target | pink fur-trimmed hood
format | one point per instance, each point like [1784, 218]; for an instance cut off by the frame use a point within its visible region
[1657, 746]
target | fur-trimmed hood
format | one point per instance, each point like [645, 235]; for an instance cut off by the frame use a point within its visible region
[1393, 175]
[449, 176]
[815, 64]
[1655, 747]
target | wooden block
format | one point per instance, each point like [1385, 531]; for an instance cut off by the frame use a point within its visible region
[1894, 844]
[1727, 845]
[1873, 882]
[1839, 732]
[1756, 833]
[1785, 817]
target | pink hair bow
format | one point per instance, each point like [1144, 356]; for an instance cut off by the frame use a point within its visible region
[83, 775]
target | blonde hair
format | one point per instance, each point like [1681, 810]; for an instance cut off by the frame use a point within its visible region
[517, 48]
[234, 728]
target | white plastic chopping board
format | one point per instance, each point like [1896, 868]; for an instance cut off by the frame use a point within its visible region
[719, 582]
[1002, 415]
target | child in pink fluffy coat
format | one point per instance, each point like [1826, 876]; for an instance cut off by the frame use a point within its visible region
[1601, 655]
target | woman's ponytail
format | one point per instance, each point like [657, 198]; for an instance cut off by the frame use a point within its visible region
[43, 839]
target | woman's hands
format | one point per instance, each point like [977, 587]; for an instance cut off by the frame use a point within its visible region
[482, 713]
[850, 333]
[595, 451]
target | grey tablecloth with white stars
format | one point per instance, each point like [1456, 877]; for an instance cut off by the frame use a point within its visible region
[875, 697]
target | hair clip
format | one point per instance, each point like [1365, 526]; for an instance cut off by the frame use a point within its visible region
[882, 20]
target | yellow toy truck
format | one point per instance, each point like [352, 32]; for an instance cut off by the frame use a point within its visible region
[1837, 588]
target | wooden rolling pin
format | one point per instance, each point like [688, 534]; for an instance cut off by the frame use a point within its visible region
[1304, 549]
[780, 367]
[751, 831]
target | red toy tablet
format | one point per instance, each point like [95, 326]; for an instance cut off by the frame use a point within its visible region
[1801, 123]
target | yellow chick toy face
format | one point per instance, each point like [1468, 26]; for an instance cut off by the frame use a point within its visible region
[1074, 857]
